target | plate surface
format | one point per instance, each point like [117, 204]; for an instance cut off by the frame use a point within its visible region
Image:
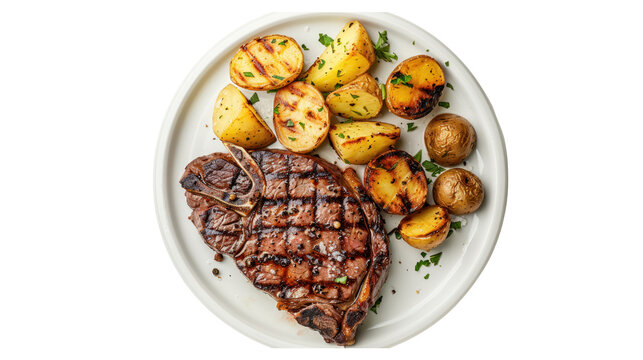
[417, 302]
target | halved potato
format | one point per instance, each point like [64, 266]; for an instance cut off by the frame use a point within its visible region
[427, 228]
[414, 87]
[359, 99]
[301, 118]
[236, 121]
[358, 142]
[267, 63]
[350, 55]
[396, 182]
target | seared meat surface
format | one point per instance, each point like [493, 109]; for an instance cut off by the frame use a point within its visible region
[298, 228]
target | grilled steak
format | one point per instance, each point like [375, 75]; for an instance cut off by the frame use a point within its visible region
[298, 228]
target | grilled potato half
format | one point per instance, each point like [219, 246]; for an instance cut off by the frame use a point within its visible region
[396, 182]
[359, 99]
[427, 228]
[236, 121]
[350, 55]
[414, 87]
[301, 118]
[358, 142]
[267, 63]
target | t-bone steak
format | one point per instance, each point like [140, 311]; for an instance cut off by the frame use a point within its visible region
[298, 228]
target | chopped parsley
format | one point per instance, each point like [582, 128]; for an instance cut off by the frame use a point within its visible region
[446, 63]
[421, 263]
[411, 127]
[357, 112]
[398, 236]
[271, 91]
[289, 123]
[254, 99]
[383, 48]
[418, 156]
[276, 110]
[435, 258]
[391, 169]
[339, 73]
[376, 304]
[346, 161]
[325, 39]
[383, 88]
[354, 96]
[413, 42]
[423, 254]
[426, 276]
[347, 121]
[283, 43]
[341, 136]
[456, 225]
[292, 138]
[450, 86]
[404, 80]
[341, 280]
[278, 77]
[303, 126]
[337, 86]
[322, 62]
[303, 46]
[432, 167]
[444, 104]
[320, 109]
[273, 41]
[450, 232]
[248, 74]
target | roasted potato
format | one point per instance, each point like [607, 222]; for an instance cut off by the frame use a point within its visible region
[350, 55]
[396, 182]
[358, 142]
[301, 118]
[427, 228]
[449, 139]
[267, 63]
[236, 121]
[359, 99]
[458, 190]
[414, 87]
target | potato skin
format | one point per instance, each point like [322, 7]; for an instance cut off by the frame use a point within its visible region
[235, 120]
[427, 228]
[273, 62]
[302, 106]
[358, 142]
[449, 139]
[396, 182]
[458, 190]
[426, 85]
[359, 99]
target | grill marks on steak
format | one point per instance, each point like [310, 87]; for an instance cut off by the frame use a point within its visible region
[312, 227]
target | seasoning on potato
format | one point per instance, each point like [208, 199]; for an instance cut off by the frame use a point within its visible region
[358, 142]
[236, 121]
[414, 87]
[449, 139]
[267, 63]
[359, 99]
[427, 228]
[458, 190]
[396, 182]
[348, 56]
[301, 118]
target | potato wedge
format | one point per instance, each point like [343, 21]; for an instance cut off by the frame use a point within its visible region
[350, 55]
[236, 121]
[396, 182]
[359, 99]
[427, 228]
[358, 142]
[301, 118]
[267, 63]
[414, 87]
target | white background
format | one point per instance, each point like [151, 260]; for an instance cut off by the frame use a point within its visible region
[84, 88]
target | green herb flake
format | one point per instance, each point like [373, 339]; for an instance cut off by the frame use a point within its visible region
[383, 48]
[322, 62]
[320, 109]
[376, 304]
[278, 77]
[325, 39]
[423, 254]
[421, 263]
[444, 104]
[354, 96]
[248, 74]
[341, 280]
[341, 136]
[450, 86]
[271, 91]
[254, 99]
[303, 46]
[273, 41]
[303, 126]
[432, 167]
[418, 156]
[283, 43]
[347, 121]
[276, 110]
[292, 138]
[357, 112]
[435, 259]
[456, 225]
[413, 42]
[411, 127]
[383, 88]
[337, 86]
[426, 276]
[398, 236]
[346, 161]
[289, 123]
[450, 232]
[339, 73]
[446, 63]
[403, 80]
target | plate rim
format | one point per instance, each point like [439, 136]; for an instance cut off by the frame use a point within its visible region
[169, 235]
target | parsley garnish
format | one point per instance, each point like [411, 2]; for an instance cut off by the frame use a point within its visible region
[411, 127]
[383, 48]
[325, 39]
[349, 120]
[248, 74]
[404, 80]
[339, 73]
[413, 42]
[432, 167]
[450, 86]
[446, 63]
[423, 254]
[421, 263]
[303, 46]
[456, 225]
[273, 41]
[354, 96]
[398, 236]
[292, 138]
[357, 112]
[278, 77]
[376, 304]
[426, 276]
[276, 110]
[435, 259]
[341, 280]
[383, 88]
[322, 62]
[391, 169]
[418, 156]
[254, 98]
[337, 86]
[283, 43]
[320, 109]
[271, 91]
[289, 123]
[346, 161]
[444, 104]
[450, 232]
[303, 126]
[341, 136]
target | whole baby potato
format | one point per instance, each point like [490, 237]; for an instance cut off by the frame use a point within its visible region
[449, 139]
[458, 190]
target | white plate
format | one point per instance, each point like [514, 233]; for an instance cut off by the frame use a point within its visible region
[417, 303]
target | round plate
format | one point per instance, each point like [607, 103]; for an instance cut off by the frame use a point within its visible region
[416, 302]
